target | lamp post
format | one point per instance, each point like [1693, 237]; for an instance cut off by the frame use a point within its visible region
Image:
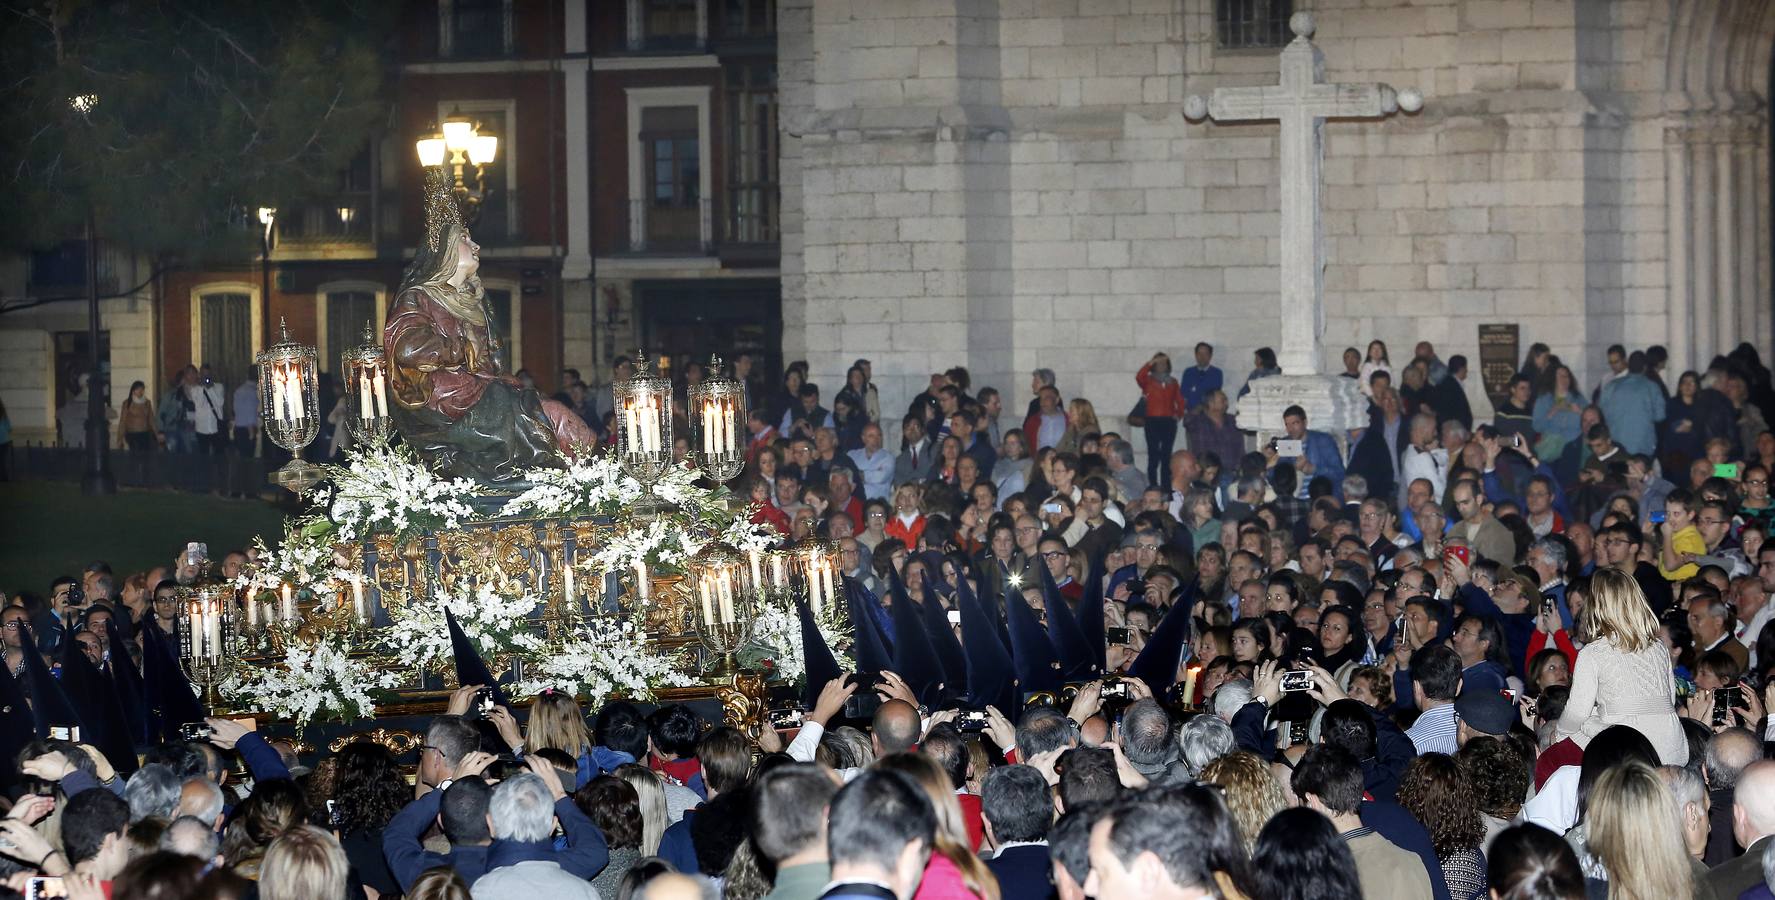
[98, 480]
[267, 218]
[461, 143]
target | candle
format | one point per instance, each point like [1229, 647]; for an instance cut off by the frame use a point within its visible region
[366, 404]
[1189, 685]
[641, 584]
[632, 427]
[831, 574]
[357, 599]
[726, 593]
[757, 571]
[567, 581]
[194, 632]
[287, 612]
[708, 607]
[708, 428]
[297, 407]
[212, 620]
[728, 444]
[652, 425]
[778, 576]
[379, 385]
[252, 606]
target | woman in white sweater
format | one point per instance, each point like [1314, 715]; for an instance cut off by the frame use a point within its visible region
[1622, 676]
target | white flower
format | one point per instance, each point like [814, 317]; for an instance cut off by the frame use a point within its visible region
[776, 630]
[496, 623]
[603, 658]
[314, 680]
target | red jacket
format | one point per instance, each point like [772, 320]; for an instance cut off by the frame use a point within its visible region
[1164, 398]
[908, 534]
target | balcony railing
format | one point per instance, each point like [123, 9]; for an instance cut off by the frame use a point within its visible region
[345, 219]
[666, 231]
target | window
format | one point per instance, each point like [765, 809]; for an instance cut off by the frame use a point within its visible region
[752, 187]
[476, 28]
[499, 302]
[64, 266]
[1249, 24]
[749, 18]
[347, 314]
[227, 335]
[670, 24]
[669, 136]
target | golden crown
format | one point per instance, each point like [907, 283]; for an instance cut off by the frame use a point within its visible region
[441, 210]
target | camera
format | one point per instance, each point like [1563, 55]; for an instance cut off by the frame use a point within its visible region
[1297, 680]
[76, 597]
[1118, 636]
[972, 721]
[1290, 447]
[1297, 732]
[1136, 588]
[195, 732]
[863, 703]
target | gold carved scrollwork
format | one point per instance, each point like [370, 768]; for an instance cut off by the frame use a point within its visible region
[505, 558]
[396, 740]
[743, 702]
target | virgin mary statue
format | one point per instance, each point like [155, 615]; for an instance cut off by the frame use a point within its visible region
[453, 404]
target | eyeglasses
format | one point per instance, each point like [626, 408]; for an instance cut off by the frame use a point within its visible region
[1055, 554]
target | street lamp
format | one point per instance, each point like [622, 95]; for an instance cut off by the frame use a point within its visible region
[267, 218]
[459, 143]
[98, 479]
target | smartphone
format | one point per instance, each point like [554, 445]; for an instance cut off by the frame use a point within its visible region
[786, 718]
[971, 721]
[1116, 689]
[955, 617]
[1724, 701]
[1726, 470]
[1289, 447]
[1117, 636]
[194, 732]
[65, 733]
[1464, 554]
[45, 887]
[1516, 439]
[1547, 608]
[1656, 518]
[1297, 732]
[1052, 509]
[1297, 680]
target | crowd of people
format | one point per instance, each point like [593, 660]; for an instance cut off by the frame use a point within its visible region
[1431, 658]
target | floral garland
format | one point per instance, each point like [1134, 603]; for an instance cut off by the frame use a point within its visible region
[603, 658]
[498, 624]
[317, 680]
[776, 639]
[389, 489]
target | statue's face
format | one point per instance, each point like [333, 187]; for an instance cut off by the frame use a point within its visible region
[468, 259]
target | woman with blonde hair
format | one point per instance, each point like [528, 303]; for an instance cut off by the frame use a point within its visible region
[653, 805]
[1633, 829]
[439, 883]
[1251, 790]
[557, 722]
[1081, 419]
[304, 863]
[953, 871]
[1622, 676]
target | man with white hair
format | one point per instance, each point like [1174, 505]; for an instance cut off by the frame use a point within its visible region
[202, 799]
[1753, 823]
[191, 836]
[522, 863]
[1230, 698]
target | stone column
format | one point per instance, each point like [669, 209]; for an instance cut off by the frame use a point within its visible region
[1702, 264]
[1676, 248]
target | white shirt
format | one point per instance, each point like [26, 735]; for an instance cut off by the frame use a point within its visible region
[210, 402]
[1748, 631]
[878, 472]
[1431, 466]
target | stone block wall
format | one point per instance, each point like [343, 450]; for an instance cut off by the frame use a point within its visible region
[1531, 190]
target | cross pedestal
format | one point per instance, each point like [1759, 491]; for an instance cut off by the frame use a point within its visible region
[1300, 103]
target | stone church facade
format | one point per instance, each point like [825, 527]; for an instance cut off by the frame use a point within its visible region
[1011, 184]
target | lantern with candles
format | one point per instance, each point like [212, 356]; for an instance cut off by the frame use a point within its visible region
[644, 430]
[366, 390]
[721, 605]
[815, 575]
[718, 423]
[208, 637]
[289, 406]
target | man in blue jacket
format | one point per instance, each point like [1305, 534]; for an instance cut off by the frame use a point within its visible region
[1319, 453]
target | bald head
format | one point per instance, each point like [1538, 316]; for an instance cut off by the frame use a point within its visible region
[896, 727]
[201, 799]
[1727, 754]
[672, 886]
[1753, 803]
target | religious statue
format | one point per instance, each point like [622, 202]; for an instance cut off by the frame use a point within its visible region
[453, 405]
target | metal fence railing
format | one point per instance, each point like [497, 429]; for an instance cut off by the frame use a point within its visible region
[229, 473]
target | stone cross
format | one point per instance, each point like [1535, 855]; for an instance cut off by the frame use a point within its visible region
[1301, 102]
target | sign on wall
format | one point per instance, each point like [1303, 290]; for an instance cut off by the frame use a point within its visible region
[1500, 346]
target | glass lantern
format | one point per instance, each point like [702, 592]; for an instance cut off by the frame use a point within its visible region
[722, 611]
[289, 406]
[815, 574]
[644, 429]
[366, 390]
[718, 424]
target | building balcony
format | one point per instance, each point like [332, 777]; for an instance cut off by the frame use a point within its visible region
[746, 232]
[344, 220]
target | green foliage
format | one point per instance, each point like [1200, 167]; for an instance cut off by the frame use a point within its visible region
[206, 110]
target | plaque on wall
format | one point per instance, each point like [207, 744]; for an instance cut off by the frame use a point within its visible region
[1500, 346]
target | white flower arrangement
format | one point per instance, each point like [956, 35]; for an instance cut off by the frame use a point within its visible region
[301, 561]
[590, 485]
[605, 657]
[776, 636]
[316, 680]
[388, 489]
[496, 623]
